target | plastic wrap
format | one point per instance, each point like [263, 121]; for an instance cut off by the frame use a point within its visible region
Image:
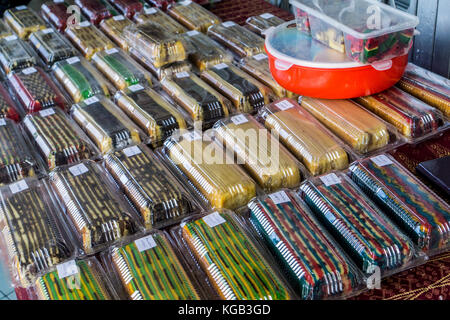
[412, 117]
[357, 127]
[92, 207]
[56, 138]
[169, 70]
[35, 90]
[193, 16]
[220, 182]
[105, 124]
[94, 10]
[369, 238]
[207, 53]
[7, 107]
[79, 79]
[427, 86]
[33, 237]
[240, 40]
[128, 7]
[260, 24]
[304, 137]
[263, 157]
[314, 265]
[156, 44]
[155, 116]
[201, 101]
[23, 21]
[423, 216]
[231, 260]
[88, 39]
[113, 28]
[5, 31]
[16, 160]
[157, 16]
[51, 46]
[88, 282]
[161, 4]
[120, 69]
[55, 12]
[246, 93]
[15, 54]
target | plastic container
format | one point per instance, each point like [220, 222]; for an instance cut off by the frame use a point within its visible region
[147, 268]
[207, 52]
[157, 16]
[94, 10]
[51, 46]
[5, 30]
[261, 154]
[357, 127]
[309, 68]
[202, 102]
[105, 124]
[229, 257]
[120, 69]
[169, 70]
[156, 44]
[367, 31]
[81, 279]
[193, 16]
[35, 90]
[213, 175]
[92, 207]
[246, 93]
[161, 4]
[16, 54]
[423, 216]
[128, 7]
[369, 238]
[23, 21]
[427, 86]
[8, 108]
[34, 238]
[17, 161]
[238, 39]
[55, 13]
[412, 117]
[79, 79]
[260, 24]
[314, 265]
[148, 110]
[303, 135]
[88, 39]
[57, 138]
[113, 28]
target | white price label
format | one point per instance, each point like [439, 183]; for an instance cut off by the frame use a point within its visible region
[279, 197]
[84, 24]
[2, 122]
[111, 51]
[29, 70]
[192, 33]
[192, 136]
[10, 38]
[18, 186]
[381, 160]
[213, 219]
[90, 100]
[239, 119]
[330, 179]
[73, 60]
[119, 18]
[150, 11]
[46, 112]
[21, 7]
[260, 56]
[78, 169]
[266, 15]
[48, 30]
[145, 243]
[135, 87]
[67, 269]
[284, 105]
[183, 74]
[58, 1]
[220, 66]
[228, 24]
[131, 151]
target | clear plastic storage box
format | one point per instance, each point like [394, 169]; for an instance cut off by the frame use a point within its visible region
[192, 15]
[158, 16]
[23, 21]
[94, 10]
[260, 24]
[16, 54]
[113, 27]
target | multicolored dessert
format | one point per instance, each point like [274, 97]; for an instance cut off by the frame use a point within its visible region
[113, 28]
[95, 10]
[23, 21]
[15, 54]
[193, 16]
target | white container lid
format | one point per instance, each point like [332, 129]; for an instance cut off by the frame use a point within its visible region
[361, 19]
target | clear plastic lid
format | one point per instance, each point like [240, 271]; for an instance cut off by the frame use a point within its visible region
[170, 70]
[357, 127]
[303, 135]
[240, 40]
[260, 24]
[158, 16]
[57, 138]
[247, 94]
[230, 258]
[202, 102]
[315, 266]
[412, 117]
[92, 207]
[106, 125]
[120, 69]
[15, 54]
[367, 236]
[113, 28]
[220, 181]
[261, 154]
[8, 108]
[422, 215]
[51, 46]
[193, 16]
[80, 79]
[128, 7]
[5, 30]
[55, 13]
[154, 115]
[34, 238]
[23, 21]
[95, 10]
